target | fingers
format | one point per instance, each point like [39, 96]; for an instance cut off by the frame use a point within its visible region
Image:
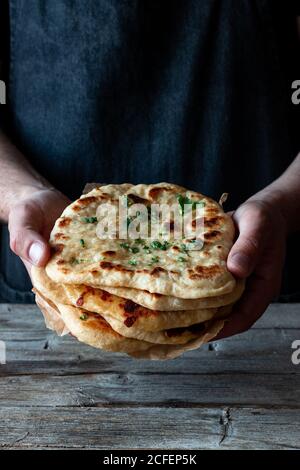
[255, 300]
[251, 221]
[25, 225]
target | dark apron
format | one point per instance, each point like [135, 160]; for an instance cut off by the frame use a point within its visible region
[191, 92]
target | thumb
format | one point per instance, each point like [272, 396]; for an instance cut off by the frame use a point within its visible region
[250, 220]
[25, 224]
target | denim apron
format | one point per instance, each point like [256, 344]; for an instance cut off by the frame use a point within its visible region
[194, 92]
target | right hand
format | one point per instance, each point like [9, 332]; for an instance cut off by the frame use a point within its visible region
[30, 222]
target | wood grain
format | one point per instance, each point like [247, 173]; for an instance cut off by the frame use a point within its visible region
[240, 393]
[150, 428]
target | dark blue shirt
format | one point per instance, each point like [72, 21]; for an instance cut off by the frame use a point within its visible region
[195, 92]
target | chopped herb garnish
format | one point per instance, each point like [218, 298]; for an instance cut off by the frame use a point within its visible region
[154, 259]
[82, 243]
[77, 261]
[166, 245]
[183, 248]
[133, 249]
[125, 246]
[129, 202]
[83, 317]
[132, 262]
[182, 259]
[139, 241]
[147, 249]
[184, 200]
[90, 220]
[156, 245]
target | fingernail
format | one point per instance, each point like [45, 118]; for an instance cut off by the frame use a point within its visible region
[241, 261]
[36, 252]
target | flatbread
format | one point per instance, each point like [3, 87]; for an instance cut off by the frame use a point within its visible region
[169, 303]
[80, 257]
[169, 336]
[132, 315]
[53, 291]
[51, 315]
[164, 352]
[124, 315]
[94, 331]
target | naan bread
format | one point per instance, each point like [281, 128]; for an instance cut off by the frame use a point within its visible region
[96, 332]
[129, 313]
[168, 303]
[51, 315]
[93, 330]
[80, 257]
[163, 352]
[169, 336]
[119, 311]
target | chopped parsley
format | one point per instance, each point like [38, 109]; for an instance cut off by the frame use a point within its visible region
[90, 220]
[128, 200]
[128, 221]
[133, 249]
[83, 317]
[82, 243]
[181, 259]
[154, 259]
[125, 246]
[147, 249]
[183, 248]
[132, 262]
[157, 245]
[184, 200]
[139, 241]
[77, 261]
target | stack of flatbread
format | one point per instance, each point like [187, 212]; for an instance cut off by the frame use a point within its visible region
[149, 298]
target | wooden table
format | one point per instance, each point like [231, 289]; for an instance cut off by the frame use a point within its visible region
[242, 393]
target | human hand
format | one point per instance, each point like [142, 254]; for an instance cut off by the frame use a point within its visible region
[30, 221]
[258, 255]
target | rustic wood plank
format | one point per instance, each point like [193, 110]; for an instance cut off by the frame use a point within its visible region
[152, 389]
[256, 354]
[239, 393]
[150, 428]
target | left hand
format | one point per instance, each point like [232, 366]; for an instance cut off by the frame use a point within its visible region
[258, 255]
